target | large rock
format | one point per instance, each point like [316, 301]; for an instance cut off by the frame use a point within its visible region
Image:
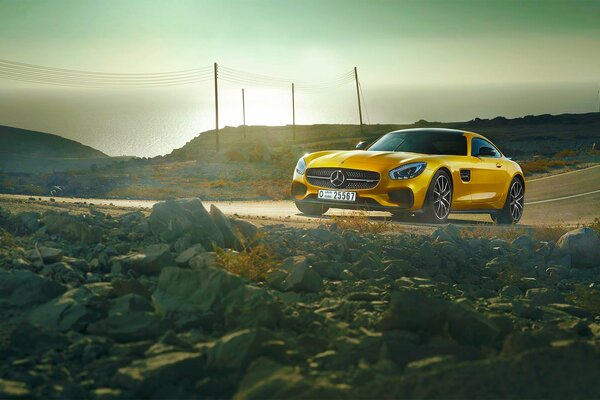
[565, 370]
[416, 312]
[72, 311]
[583, 245]
[158, 376]
[246, 229]
[149, 262]
[23, 288]
[224, 225]
[302, 278]
[130, 327]
[131, 318]
[237, 350]
[267, 379]
[45, 254]
[173, 219]
[71, 228]
[213, 293]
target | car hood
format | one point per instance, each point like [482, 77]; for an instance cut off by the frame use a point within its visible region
[362, 159]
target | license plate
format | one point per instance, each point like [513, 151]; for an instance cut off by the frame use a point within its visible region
[337, 195]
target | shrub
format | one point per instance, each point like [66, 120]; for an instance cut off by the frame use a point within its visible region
[235, 156]
[359, 221]
[251, 263]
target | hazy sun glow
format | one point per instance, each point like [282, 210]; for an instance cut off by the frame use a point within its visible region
[428, 59]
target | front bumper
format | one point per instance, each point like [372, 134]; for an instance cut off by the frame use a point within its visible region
[389, 194]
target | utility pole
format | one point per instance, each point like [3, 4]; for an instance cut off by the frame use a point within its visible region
[216, 111]
[358, 96]
[293, 115]
[244, 113]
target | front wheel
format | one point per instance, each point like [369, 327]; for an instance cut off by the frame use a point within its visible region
[514, 204]
[439, 198]
[311, 209]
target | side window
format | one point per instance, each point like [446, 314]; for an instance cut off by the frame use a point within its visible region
[489, 150]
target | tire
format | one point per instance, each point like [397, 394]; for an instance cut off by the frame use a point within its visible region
[311, 209]
[438, 201]
[514, 205]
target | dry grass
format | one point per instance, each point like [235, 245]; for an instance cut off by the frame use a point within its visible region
[596, 225]
[252, 263]
[565, 153]
[359, 221]
[511, 232]
[534, 166]
[274, 189]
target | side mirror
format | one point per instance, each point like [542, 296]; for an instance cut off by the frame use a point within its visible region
[486, 152]
[361, 145]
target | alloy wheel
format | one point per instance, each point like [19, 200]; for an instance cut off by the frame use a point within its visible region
[442, 197]
[516, 200]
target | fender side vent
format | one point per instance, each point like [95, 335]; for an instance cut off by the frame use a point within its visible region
[465, 175]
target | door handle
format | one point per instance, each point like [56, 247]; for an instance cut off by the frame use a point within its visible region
[498, 165]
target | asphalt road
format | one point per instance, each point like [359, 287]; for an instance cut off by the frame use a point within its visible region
[570, 198]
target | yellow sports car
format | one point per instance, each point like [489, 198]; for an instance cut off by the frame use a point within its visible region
[430, 171]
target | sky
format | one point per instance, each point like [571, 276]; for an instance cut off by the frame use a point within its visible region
[434, 60]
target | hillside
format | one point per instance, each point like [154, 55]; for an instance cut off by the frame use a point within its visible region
[259, 166]
[30, 151]
[518, 137]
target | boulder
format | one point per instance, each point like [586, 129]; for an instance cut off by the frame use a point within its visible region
[213, 293]
[202, 260]
[30, 220]
[266, 378]
[246, 229]
[151, 377]
[14, 390]
[224, 225]
[175, 218]
[544, 296]
[237, 350]
[23, 288]
[185, 256]
[302, 278]
[47, 254]
[583, 247]
[149, 262]
[71, 228]
[73, 310]
[416, 312]
[130, 327]
[63, 273]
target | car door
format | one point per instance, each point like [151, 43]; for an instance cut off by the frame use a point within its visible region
[488, 173]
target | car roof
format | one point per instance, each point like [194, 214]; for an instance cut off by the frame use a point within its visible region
[431, 130]
[441, 130]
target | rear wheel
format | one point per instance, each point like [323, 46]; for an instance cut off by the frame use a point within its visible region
[311, 209]
[439, 198]
[514, 204]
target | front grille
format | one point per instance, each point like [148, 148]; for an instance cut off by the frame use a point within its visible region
[354, 179]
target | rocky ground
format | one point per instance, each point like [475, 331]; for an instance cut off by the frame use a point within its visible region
[134, 305]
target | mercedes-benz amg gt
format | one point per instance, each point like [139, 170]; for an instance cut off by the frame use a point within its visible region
[431, 172]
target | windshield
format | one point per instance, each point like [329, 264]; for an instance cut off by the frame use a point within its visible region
[423, 142]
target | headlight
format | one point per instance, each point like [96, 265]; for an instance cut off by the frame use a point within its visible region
[408, 171]
[301, 166]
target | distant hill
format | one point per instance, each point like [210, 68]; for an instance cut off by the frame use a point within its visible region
[521, 137]
[30, 151]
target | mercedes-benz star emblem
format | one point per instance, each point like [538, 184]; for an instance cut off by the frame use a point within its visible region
[337, 178]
